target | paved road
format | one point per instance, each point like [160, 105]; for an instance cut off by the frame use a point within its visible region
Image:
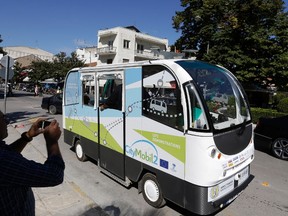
[266, 195]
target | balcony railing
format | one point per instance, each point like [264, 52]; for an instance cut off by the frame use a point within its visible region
[148, 54]
[106, 50]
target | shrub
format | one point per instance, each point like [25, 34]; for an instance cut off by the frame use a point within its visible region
[278, 97]
[282, 106]
[267, 113]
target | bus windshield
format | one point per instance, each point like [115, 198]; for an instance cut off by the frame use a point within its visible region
[221, 92]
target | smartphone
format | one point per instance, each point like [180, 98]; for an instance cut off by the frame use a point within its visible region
[44, 124]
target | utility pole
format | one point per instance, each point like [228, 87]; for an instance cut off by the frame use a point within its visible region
[7, 73]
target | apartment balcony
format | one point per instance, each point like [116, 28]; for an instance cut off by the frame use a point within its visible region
[107, 33]
[150, 55]
[106, 50]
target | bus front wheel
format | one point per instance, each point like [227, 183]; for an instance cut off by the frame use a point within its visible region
[151, 191]
[79, 151]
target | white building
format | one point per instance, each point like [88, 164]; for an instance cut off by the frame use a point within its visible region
[87, 55]
[119, 44]
[21, 51]
[128, 44]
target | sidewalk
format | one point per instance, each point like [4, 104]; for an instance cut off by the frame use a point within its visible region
[66, 199]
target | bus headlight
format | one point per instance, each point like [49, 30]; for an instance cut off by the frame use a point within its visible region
[212, 152]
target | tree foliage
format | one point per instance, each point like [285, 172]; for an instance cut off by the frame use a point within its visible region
[1, 49]
[57, 69]
[249, 37]
[17, 72]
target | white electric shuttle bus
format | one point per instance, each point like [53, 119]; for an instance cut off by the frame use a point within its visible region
[162, 125]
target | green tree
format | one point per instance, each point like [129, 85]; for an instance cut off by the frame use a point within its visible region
[249, 37]
[57, 69]
[62, 64]
[17, 72]
[1, 49]
[40, 70]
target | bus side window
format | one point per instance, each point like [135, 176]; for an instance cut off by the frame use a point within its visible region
[112, 95]
[71, 90]
[161, 96]
[88, 90]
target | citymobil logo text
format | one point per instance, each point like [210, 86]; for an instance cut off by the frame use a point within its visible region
[143, 150]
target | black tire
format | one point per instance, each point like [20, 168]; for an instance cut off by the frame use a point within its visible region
[80, 152]
[280, 148]
[52, 109]
[151, 191]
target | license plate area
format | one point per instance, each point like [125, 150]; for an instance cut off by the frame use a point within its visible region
[242, 176]
[227, 186]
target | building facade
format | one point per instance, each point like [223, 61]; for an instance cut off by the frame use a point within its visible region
[128, 44]
[21, 51]
[88, 55]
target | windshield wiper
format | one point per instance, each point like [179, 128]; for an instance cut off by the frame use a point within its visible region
[242, 128]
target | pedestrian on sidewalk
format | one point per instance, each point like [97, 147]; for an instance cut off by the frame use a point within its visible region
[36, 90]
[10, 93]
[19, 174]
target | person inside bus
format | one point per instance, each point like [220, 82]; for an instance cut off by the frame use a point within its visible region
[114, 101]
[19, 174]
[86, 99]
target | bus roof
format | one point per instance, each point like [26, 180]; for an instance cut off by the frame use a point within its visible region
[119, 66]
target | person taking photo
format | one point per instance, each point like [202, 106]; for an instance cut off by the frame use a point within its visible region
[19, 174]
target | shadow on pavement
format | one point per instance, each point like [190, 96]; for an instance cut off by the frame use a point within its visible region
[95, 212]
[20, 116]
[16, 94]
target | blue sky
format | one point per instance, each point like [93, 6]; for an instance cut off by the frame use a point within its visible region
[62, 26]
[58, 25]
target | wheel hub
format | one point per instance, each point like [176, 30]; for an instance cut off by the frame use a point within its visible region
[151, 190]
[79, 151]
[281, 148]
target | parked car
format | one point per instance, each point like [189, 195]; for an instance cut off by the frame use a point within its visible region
[28, 88]
[271, 134]
[53, 103]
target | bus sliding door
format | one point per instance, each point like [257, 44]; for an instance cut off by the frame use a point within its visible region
[111, 123]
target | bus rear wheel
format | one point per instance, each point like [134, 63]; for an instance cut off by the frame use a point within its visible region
[79, 151]
[151, 191]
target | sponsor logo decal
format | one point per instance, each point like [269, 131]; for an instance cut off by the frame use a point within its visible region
[236, 159]
[164, 163]
[173, 168]
[143, 150]
[230, 163]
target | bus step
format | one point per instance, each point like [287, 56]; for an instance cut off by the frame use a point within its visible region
[126, 183]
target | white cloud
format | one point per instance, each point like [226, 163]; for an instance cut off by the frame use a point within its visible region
[82, 43]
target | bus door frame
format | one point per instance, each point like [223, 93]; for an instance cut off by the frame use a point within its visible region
[109, 159]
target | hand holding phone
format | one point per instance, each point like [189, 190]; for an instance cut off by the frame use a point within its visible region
[44, 124]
